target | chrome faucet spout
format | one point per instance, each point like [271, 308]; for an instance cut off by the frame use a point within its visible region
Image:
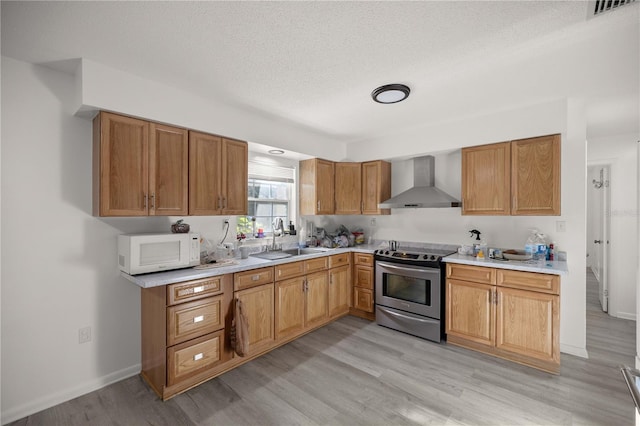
[278, 224]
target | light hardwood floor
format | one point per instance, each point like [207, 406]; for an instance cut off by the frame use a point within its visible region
[353, 372]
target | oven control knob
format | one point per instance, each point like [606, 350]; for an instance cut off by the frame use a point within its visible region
[386, 252]
[433, 257]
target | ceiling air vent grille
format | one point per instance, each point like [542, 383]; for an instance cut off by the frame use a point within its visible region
[602, 6]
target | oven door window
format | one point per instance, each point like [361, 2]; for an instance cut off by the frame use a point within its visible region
[410, 289]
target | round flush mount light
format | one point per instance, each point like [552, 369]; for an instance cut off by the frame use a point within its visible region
[390, 93]
[276, 151]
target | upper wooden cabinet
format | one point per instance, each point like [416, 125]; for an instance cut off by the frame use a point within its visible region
[357, 188]
[535, 176]
[376, 186]
[316, 187]
[486, 179]
[139, 168]
[520, 177]
[217, 175]
[348, 187]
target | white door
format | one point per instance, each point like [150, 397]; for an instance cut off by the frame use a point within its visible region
[601, 237]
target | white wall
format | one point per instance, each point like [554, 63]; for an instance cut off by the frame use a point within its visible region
[620, 152]
[58, 262]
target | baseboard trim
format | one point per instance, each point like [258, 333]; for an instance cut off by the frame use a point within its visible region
[625, 315]
[574, 350]
[65, 395]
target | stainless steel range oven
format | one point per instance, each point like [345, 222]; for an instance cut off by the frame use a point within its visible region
[410, 291]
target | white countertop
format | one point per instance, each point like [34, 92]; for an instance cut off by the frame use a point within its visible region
[156, 279]
[554, 267]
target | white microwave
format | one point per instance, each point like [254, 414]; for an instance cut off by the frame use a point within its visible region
[143, 253]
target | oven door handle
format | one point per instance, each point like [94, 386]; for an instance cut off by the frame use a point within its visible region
[404, 268]
[395, 314]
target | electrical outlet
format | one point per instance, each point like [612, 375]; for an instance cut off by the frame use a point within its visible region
[372, 222]
[561, 226]
[84, 335]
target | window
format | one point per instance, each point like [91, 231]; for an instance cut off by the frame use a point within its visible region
[270, 195]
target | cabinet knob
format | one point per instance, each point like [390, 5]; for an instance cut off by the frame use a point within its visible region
[144, 200]
[153, 200]
[597, 241]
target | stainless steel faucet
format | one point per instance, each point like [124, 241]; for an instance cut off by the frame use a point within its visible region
[277, 224]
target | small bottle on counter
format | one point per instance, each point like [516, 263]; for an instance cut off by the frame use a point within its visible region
[551, 251]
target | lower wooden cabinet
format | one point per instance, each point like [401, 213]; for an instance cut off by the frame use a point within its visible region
[511, 314]
[258, 306]
[339, 294]
[185, 333]
[302, 302]
[363, 288]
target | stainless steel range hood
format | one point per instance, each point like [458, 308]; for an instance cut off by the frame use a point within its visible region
[423, 194]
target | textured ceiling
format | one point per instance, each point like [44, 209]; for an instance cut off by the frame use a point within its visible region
[314, 63]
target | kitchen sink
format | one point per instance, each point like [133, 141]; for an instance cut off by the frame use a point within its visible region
[283, 254]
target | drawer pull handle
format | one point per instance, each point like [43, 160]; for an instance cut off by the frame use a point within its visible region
[255, 277]
[198, 319]
[198, 289]
[198, 357]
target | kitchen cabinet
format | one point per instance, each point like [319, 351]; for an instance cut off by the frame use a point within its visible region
[376, 186]
[520, 177]
[140, 168]
[363, 288]
[302, 296]
[535, 176]
[317, 190]
[184, 340]
[255, 289]
[339, 284]
[344, 187]
[348, 188]
[218, 175]
[511, 314]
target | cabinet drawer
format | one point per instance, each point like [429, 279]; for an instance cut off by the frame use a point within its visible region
[193, 290]
[193, 357]
[256, 277]
[194, 319]
[545, 283]
[339, 260]
[477, 274]
[289, 270]
[363, 259]
[314, 265]
[363, 277]
[363, 299]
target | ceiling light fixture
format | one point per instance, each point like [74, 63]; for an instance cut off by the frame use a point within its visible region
[390, 93]
[276, 151]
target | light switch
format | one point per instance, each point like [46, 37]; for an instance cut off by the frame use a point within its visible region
[561, 226]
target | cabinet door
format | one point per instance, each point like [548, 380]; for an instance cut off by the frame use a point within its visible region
[528, 324]
[363, 276]
[363, 299]
[121, 165]
[339, 291]
[348, 187]
[259, 309]
[168, 171]
[205, 196]
[535, 176]
[317, 298]
[325, 189]
[470, 312]
[289, 307]
[486, 179]
[235, 178]
[376, 186]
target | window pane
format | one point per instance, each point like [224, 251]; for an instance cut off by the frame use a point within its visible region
[281, 210]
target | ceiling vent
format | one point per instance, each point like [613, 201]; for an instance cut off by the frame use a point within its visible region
[601, 6]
